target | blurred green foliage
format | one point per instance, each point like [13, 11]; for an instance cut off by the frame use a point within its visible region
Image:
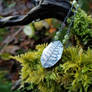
[84, 4]
[5, 85]
[7, 4]
[3, 32]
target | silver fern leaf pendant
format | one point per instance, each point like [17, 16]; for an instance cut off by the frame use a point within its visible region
[52, 54]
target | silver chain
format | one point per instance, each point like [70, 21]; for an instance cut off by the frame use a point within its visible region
[68, 14]
[63, 25]
[68, 31]
[66, 37]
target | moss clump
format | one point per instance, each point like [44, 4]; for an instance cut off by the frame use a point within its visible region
[72, 74]
[82, 28]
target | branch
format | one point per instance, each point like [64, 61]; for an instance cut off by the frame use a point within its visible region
[46, 9]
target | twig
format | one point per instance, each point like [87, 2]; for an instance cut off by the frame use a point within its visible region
[47, 9]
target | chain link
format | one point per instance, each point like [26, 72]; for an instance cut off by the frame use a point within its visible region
[63, 24]
[66, 37]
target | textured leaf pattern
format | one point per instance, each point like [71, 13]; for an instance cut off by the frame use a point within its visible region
[52, 54]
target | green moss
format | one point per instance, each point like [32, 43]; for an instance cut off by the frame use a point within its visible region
[82, 28]
[73, 73]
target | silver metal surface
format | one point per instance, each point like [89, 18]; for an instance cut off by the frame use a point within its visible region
[52, 54]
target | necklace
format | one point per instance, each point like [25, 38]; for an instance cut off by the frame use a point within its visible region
[53, 52]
